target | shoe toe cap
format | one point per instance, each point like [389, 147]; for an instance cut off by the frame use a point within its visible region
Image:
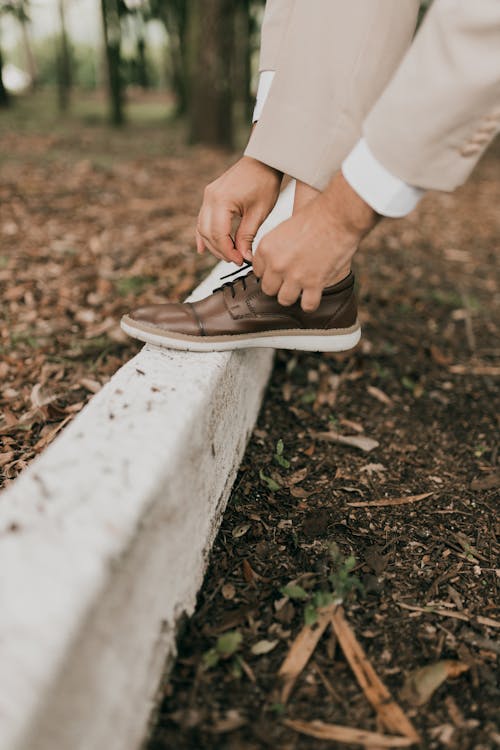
[172, 316]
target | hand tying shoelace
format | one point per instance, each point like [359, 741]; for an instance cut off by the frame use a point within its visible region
[246, 265]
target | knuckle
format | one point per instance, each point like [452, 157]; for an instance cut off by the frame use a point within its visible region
[295, 277]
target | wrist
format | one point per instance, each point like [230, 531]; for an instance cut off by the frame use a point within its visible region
[255, 164]
[347, 209]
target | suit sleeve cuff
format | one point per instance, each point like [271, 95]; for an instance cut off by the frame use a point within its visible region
[386, 194]
[265, 81]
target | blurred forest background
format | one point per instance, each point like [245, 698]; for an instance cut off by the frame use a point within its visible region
[189, 59]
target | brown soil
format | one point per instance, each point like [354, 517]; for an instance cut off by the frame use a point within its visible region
[429, 307]
[92, 224]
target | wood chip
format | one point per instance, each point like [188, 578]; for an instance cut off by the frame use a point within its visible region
[379, 395]
[301, 651]
[361, 442]
[390, 713]
[349, 735]
[390, 501]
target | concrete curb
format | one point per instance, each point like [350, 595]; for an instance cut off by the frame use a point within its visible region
[104, 542]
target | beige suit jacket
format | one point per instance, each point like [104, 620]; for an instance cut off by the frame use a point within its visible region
[345, 68]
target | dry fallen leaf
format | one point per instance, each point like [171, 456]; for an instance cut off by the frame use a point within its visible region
[228, 591]
[423, 682]
[379, 395]
[490, 481]
[355, 441]
[240, 530]
[390, 501]
[231, 721]
[263, 647]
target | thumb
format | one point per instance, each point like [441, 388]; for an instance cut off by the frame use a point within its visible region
[245, 235]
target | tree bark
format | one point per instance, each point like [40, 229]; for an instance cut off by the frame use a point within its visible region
[30, 58]
[241, 77]
[4, 94]
[63, 61]
[174, 15]
[112, 43]
[210, 44]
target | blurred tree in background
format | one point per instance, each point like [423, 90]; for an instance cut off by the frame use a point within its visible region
[205, 66]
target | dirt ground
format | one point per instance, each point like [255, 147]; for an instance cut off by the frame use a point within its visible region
[423, 385]
[91, 221]
[91, 224]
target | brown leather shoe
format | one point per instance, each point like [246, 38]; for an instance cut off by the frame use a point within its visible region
[238, 315]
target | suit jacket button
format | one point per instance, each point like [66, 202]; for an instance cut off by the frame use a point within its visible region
[469, 149]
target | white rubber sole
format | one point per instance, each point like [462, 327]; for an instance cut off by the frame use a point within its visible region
[337, 340]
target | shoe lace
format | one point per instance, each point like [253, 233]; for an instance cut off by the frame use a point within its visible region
[230, 284]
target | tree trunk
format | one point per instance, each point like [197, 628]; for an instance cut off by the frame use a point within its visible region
[141, 60]
[210, 43]
[241, 77]
[30, 59]
[112, 43]
[4, 94]
[63, 61]
[173, 15]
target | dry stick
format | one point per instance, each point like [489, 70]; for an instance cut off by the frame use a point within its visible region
[474, 370]
[390, 713]
[469, 329]
[390, 501]
[301, 651]
[323, 731]
[456, 615]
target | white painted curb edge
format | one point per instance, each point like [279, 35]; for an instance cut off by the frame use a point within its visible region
[104, 542]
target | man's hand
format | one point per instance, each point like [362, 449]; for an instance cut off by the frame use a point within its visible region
[249, 190]
[308, 252]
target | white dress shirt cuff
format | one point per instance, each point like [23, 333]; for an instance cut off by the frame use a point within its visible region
[265, 81]
[386, 194]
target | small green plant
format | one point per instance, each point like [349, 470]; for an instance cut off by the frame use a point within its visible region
[309, 397]
[341, 582]
[279, 457]
[133, 284]
[277, 708]
[226, 647]
[269, 482]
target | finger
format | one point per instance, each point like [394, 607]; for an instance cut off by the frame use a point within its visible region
[289, 293]
[310, 299]
[245, 235]
[207, 246]
[271, 283]
[200, 245]
[259, 265]
[215, 228]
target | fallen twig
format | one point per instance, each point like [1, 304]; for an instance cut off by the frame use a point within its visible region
[450, 613]
[301, 651]
[390, 501]
[350, 735]
[474, 370]
[389, 712]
